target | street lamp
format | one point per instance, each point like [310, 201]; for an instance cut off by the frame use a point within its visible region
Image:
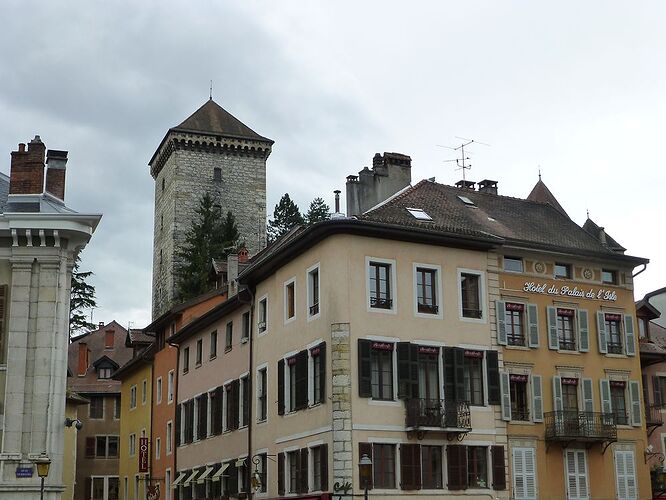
[365, 471]
[43, 462]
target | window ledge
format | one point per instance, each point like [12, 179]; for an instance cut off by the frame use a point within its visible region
[522, 422]
[379, 402]
[212, 358]
[518, 347]
[565, 351]
[617, 356]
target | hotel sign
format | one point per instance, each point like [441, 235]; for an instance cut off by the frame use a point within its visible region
[567, 291]
[143, 454]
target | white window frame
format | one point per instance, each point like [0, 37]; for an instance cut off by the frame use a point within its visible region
[170, 391]
[483, 301]
[158, 390]
[394, 285]
[438, 290]
[144, 391]
[131, 445]
[287, 319]
[310, 293]
[133, 398]
[311, 388]
[394, 362]
[265, 331]
[167, 483]
[158, 447]
[169, 437]
[106, 484]
[263, 366]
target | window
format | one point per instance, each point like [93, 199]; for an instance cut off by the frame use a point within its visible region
[473, 377]
[263, 472]
[625, 475]
[477, 467]
[289, 300]
[199, 352]
[562, 271]
[515, 324]
[431, 467]
[293, 459]
[167, 485]
[144, 391]
[229, 337]
[186, 360]
[96, 407]
[313, 291]
[158, 447]
[170, 386]
[419, 214]
[426, 291]
[169, 437]
[263, 315]
[608, 277]
[618, 403]
[245, 324]
[613, 333]
[379, 279]
[163, 183]
[316, 454]
[570, 394]
[383, 465]
[213, 344]
[104, 373]
[231, 406]
[428, 370]
[565, 329]
[513, 264]
[106, 446]
[102, 488]
[518, 390]
[245, 400]
[470, 295]
[158, 389]
[576, 471]
[262, 387]
[132, 397]
[524, 473]
[381, 364]
[116, 407]
[217, 174]
[132, 444]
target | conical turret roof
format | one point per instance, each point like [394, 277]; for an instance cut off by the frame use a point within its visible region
[540, 193]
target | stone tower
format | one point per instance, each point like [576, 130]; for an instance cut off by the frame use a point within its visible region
[210, 152]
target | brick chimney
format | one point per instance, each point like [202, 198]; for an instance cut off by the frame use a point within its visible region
[243, 255]
[83, 359]
[27, 168]
[56, 162]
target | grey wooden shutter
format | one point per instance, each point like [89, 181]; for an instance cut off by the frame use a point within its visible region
[656, 389]
[492, 369]
[506, 396]
[629, 337]
[408, 370]
[533, 325]
[635, 396]
[366, 449]
[604, 386]
[537, 399]
[280, 480]
[601, 332]
[364, 369]
[557, 394]
[553, 341]
[588, 395]
[500, 313]
[583, 331]
[280, 384]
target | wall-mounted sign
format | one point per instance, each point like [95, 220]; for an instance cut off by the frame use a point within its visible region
[428, 350]
[143, 454]
[24, 472]
[153, 492]
[567, 291]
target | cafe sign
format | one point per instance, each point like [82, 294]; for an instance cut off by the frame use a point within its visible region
[567, 291]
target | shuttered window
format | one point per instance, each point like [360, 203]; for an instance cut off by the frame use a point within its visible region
[456, 467]
[410, 466]
[216, 400]
[499, 467]
[189, 421]
[625, 475]
[576, 470]
[375, 363]
[431, 467]
[202, 416]
[383, 465]
[179, 409]
[281, 471]
[524, 473]
[319, 467]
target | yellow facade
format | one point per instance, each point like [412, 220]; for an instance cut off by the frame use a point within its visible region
[564, 438]
[72, 404]
[135, 418]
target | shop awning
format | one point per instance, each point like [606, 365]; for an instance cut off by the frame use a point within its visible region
[218, 474]
[178, 480]
[205, 474]
[191, 477]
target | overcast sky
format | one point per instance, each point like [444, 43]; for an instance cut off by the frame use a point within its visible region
[574, 88]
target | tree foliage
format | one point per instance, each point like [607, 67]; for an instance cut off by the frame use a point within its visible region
[317, 212]
[285, 216]
[209, 237]
[82, 299]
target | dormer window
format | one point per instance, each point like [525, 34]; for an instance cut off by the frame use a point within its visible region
[103, 373]
[105, 367]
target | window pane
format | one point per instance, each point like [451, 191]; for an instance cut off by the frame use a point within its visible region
[471, 301]
[513, 264]
[113, 446]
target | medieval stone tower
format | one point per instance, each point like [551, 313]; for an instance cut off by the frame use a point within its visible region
[210, 152]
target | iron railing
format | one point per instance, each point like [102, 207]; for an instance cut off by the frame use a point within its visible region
[381, 303]
[574, 425]
[438, 413]
[653, 415]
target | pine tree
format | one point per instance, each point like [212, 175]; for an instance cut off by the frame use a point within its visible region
[82, 297]
[285, 216]
[317, 212]
[209, 237]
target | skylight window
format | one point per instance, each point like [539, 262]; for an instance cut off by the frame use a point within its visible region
[419, 214]
[466, 201]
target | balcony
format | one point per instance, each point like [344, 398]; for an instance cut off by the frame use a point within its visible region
[653, 418]
[437, 414]
[581, 426]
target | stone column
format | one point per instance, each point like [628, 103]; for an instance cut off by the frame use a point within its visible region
[341, 404]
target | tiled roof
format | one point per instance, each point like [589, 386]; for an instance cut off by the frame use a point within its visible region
[657, 342]
[593, 229]
[138, 336]
[542, 194]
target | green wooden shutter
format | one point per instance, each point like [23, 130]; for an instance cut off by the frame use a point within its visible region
[177, 424]
[364, 369]
[629, 337]
[583, 331]
[303, 471]
[506, 396]
[604, 386]
[448, 356]
[635, 395]
[302, 366]
[323, 454]
[408, 370]
[601, 332]
[537, 399]
[588, 395]
[280, 384]
[459, 363]
[500, 313]
[557, 394]
[410, 466]
[280, 481]
[322, 373]
[456, 463]
[533, 324]
[499, 467]
[553, 341]
[492, 369]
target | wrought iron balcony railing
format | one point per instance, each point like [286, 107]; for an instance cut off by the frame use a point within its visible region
[381, 303]
[437, 413]
[653, 417]
[574, 425]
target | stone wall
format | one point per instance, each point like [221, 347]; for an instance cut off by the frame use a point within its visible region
[341, 404]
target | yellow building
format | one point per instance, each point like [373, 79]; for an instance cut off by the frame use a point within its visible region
[72, 403]
[135, 418]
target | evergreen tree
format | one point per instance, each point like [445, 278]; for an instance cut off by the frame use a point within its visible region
[209, 237]
[82, 297]
[317, 212]
[285, 216]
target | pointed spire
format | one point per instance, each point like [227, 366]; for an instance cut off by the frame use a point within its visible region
[541, 194]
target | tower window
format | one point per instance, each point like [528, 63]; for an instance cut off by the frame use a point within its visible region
[163, 183]
[217, 174]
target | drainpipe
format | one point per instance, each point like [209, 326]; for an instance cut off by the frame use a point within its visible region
[639, 272]
[250, 378]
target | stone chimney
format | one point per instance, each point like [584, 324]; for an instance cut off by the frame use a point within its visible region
[488, 186]
[56, 162]
[27, 168]
[232, 274]
[82, 367]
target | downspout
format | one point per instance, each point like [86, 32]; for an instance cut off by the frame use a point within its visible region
[250, 377]
[639, 272]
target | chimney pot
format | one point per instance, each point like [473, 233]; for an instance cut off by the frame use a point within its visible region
[21, 147]
[55, 173]
[101, 325]
[464, 184]
[337, 201]
[488, 186]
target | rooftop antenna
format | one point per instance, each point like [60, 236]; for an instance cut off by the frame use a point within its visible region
[462, 162]
[210, 95]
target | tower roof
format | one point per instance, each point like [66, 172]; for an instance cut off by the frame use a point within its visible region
[213, 119]
[540, 193]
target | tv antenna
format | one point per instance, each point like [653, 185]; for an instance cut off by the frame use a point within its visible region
[463, 161]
